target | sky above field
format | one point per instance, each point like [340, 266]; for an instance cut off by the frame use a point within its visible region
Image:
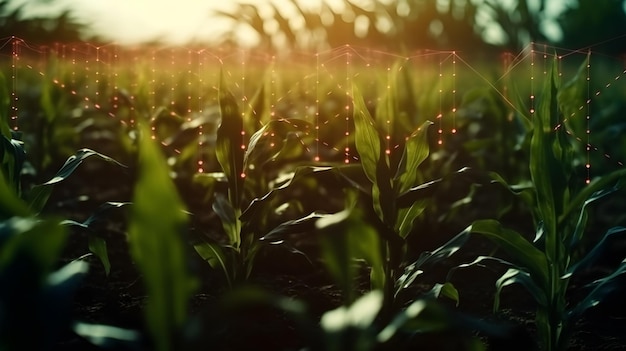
[175, 21]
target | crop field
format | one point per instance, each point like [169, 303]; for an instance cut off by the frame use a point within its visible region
[191, 198]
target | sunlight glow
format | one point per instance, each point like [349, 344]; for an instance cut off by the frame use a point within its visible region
[185, 21]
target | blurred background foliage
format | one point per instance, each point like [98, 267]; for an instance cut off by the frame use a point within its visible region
[396, 25]
[39, 29]
[469, 25]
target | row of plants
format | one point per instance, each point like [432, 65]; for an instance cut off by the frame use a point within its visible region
[372, 227]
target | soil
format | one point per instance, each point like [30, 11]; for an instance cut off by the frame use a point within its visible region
[118, 299]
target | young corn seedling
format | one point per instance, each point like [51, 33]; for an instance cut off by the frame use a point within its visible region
[546, 265]
[248, 207]
[398, 197]
[32, 201]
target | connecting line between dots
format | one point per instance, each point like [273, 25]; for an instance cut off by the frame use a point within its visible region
[356, 53]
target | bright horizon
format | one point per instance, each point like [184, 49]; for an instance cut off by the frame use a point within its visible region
[183, 21]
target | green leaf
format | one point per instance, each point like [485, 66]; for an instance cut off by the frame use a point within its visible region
[12, 159]
[281, 134]
[346, 237]
[294, 226]
[98, 246]
[214, 255]
[522, 253]
[228, 147]
[40, 241]
[578, 232]
[426, 189]
[352, 327]
[598, 250]
[525, 190]
[39, 195]
[446, 289]
[406, 217]
[601, 288]
[209, 183]
[572, 95]
[5, 104]
[227, 214]
[259, 112]
[517, 276]
[596, 185]
[360, 314]
[422, 316]
[303, 173]
[108, 337]
[366, 138]
[413, 270]
[157, 223]
[10, 204]
[415, 152]
[547, 167]
[373, 160]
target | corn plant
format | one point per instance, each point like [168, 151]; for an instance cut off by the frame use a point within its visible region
[399, 195]
[243, 195]
[546, 264]
[32, 201]
[36, 298]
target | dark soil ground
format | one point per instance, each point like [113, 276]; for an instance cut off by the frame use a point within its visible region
[118, 299]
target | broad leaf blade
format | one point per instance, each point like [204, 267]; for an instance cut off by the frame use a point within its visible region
[373, 160]
[521, 252]
[98, 246]
[228, 148]
[407, 216]
[547, 162]
[516, 276]
[598, 250]
[601, 288]
[415, 152]
[10, 204]
[346, 237]
[214, 255]
[228, 216]
[155, 232]
[39, 194]
[413, 270]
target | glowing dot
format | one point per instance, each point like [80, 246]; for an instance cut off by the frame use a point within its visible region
[588, 166]
[587, 181]
[242, 175]
[243, 147]
[440, 142]
[317, 158]
[453, 130]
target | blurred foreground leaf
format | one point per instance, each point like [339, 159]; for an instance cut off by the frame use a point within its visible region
[156, 226]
